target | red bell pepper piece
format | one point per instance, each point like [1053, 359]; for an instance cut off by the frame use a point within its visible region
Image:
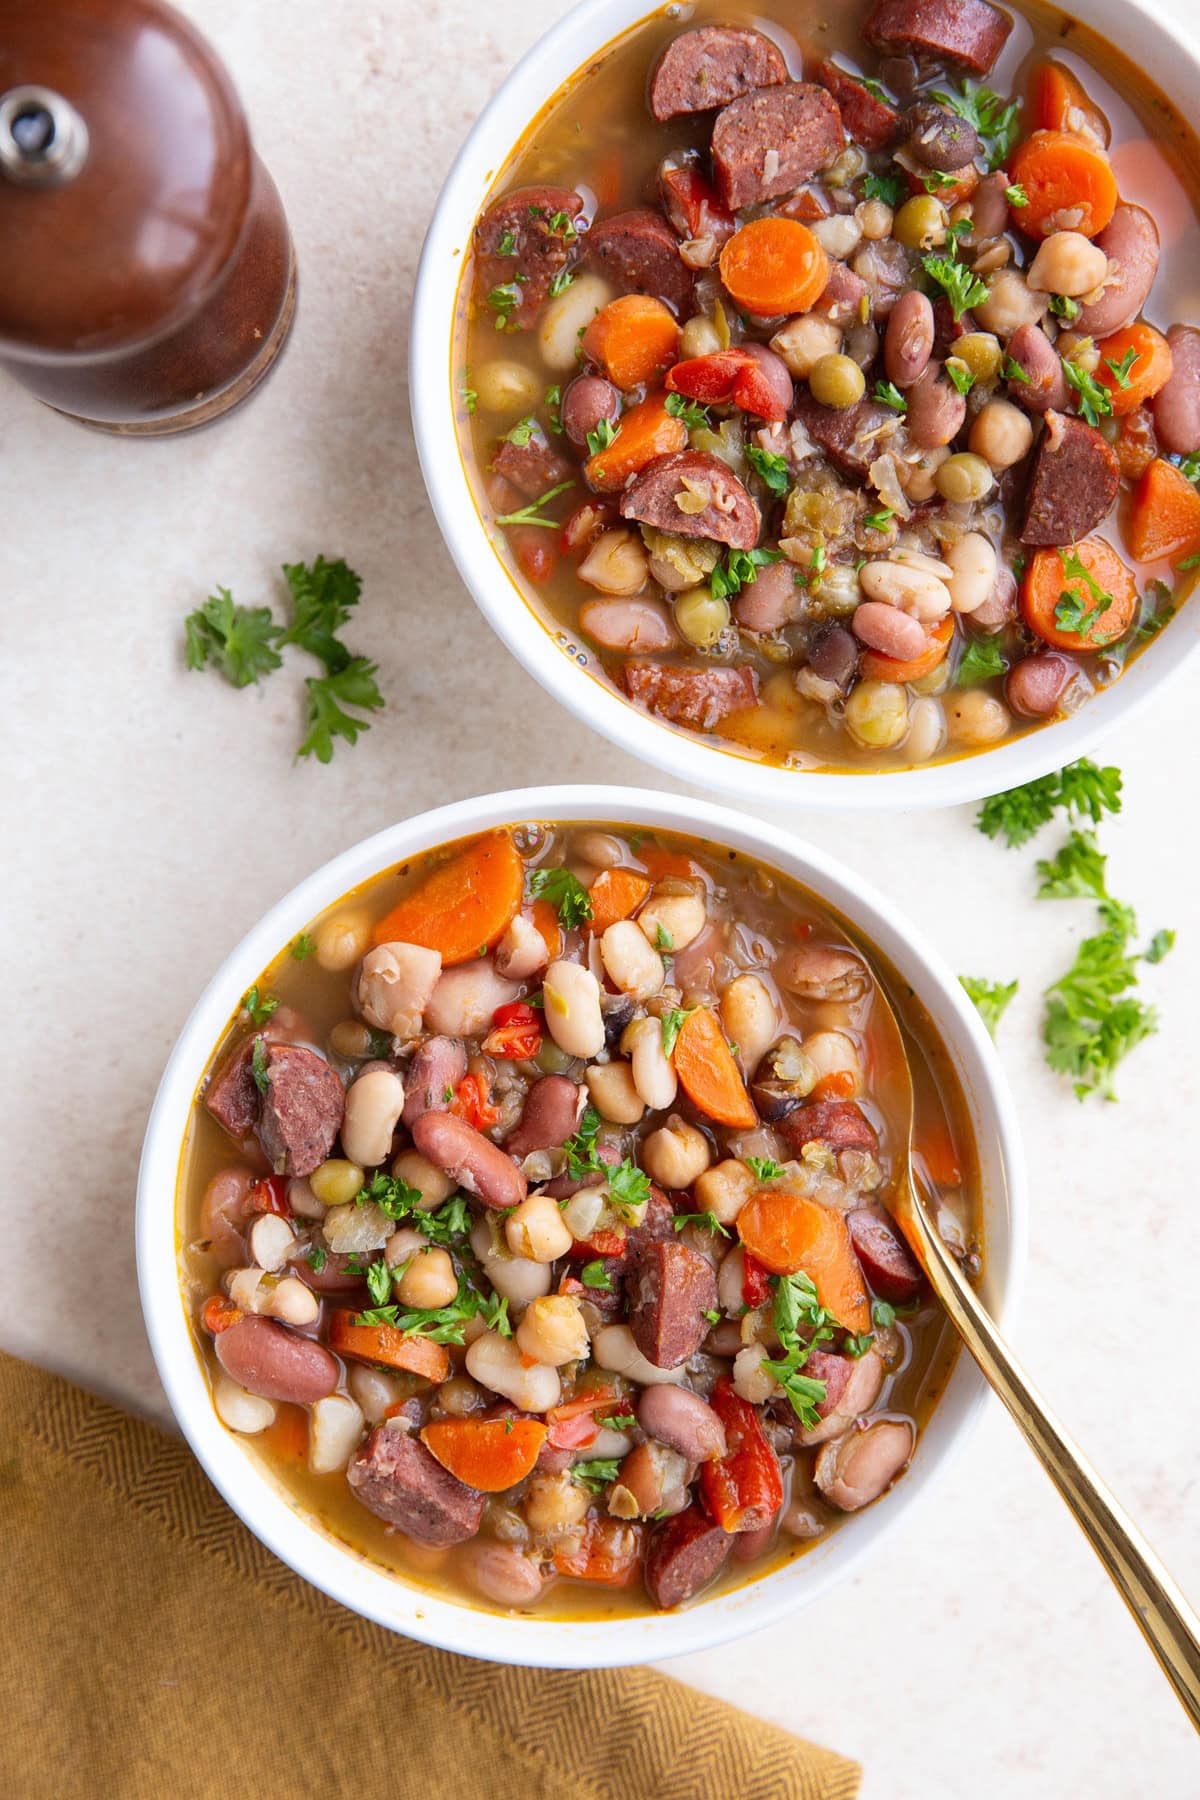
[219, 1314]
[607, 1551]
[269, 1195]
[724, 376]
[693, 207]
[472, 1102]
[756, 1282]
[744, 1490]
[517, 1034]
[573, 1424]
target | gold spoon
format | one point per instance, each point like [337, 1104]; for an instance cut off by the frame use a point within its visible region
[1166, 1620]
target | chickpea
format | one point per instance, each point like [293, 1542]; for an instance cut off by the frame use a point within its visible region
[833, 1053]
[724, 1189]
[553, 1503]
[1083, 351]
[506, 386]
[1002, 434]
[838, 382]
[975, 717]
[676, 1153]
[571, 995]
[630, 961]
[964, 477]
[804, 341]
[429, 1279]
[699, 337]
[839, 235]
[535, 1230]
[921, 477]
[1067, 263]
[341, 941]
[433, 1185]
[875, 217]
[351, 1039]
[877, 714]
[374, 1102]
[701, 618]
[981, 352]
[496, 1362]
[653, 1076]
[921, 223]
[750, 1018]
[553, 1330]
[1010, 304]
[336, 1182]
[612, 1092]
[672, 921]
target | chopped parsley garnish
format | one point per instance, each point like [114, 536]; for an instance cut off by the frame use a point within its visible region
[379, 1281]
[565, 892]
[316, 1256]
[981, 661]
[1123, 370]
[879, 521]
[989, 997]
[672, 1024]
[259, 1008]
[595, 1275]
[796, 1306]
[883, 1315]
[1190, 466]
[1064, 307]
[994, 118]
[1082, 790]
[961, 288]
[596, 1474]
[258, 1066]
[531, 514]
[323, 596]
[1074, 872]
[601, 437]
[238, 640]
[935, 180]
[302, 947]
[560, 281]
[1076, 610]
[522, 431]
[764, 1168]
[771, 468]
[562, 226]
[858, 1343]
[581, 1149]
[507, 243]
[662, 938]
[503, 300]
[691, 412]
[628, 1188]
[889, 188]
[1012, 371]
[1094, 402]
[959, 374]
[328, 697]
[466, 392]
[888, 394]
[1015, 194]
[552, 401]
[393, 1196]
[617, 1421]
[703, 1221]
[739, 570]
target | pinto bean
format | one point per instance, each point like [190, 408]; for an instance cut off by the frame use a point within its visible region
[472, 1160]
[550, 1115]
[588, 401]
[1130, 242]
[680, 1418]
[935, 409]
[1031, 350]
[224, 1215]
[434, 1072]
[769, 602]
[855, 1469]
[909, 341]
[888, 630]
[1177, 407]
[852, 1386]
[989, 205]
[501, 1573]
[268, 1359]
[464, 999]
[638, 625]
[1035, 684]
[833, 655]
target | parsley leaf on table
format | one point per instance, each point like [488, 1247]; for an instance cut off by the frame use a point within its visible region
[328, 696]
[239, 640]
[1081, 789]
[991, 998]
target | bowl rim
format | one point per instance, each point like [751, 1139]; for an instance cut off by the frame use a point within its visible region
[1170, 57]
[366, 1587]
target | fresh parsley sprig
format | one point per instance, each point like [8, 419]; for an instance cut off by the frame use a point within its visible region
[238, 640]
[991, 998]
[1082, 790]
[565, 892]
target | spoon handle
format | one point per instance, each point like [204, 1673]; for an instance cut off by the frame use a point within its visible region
[1162, 1612]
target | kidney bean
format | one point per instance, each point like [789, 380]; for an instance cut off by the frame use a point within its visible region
[833, 654]
[433, 1074]
[588, 401]
[641, 625]
[857, 1468]
[1177, 407]
[501, 1573]
[1031, 350]
[333, 1277]
[550, 1115]
[680, 1418]
[1130, 240]
[888, 630]
[935, 409]
[270, 1360]
[989, 206]
[224, 1214]
[470, 1159]
[909, 341]
[1035, 684]
[769, 602]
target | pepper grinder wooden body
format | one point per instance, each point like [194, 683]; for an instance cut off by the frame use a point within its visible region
[147, 279]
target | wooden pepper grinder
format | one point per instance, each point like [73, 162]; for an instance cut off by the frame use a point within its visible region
[147, 281]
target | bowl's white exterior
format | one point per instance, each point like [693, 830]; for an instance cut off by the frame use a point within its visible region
[1151, 44]
[369, 1589]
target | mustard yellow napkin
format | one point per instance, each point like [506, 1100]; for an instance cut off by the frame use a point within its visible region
[152, 1649]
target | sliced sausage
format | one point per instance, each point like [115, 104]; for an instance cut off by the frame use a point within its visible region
[550, 1115]
[683, 1555]
[868, 120]
[1130, 242]
[473, 1161]
[855, 1469]
[522, 235]
[1032, 351]
[839, 1123]
[232, 1096]
[680, 1418]
[699, 698]
[437, 1067]
[394, 1476]
[1177, 406]
[640, 253]
[268, 1359]
[532, 465]
[969, 32]
[1035, 684]
[729, 514]
[669, 1290]
[887, 1262]
[302, 1109]
[939, 138]
[711, 66]
[1074, 482]
[851, 439]
[852, 1386]
[769, 142]
[840, 300]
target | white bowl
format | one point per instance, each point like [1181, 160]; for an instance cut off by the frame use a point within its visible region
[1153, 45]
[366, 1587]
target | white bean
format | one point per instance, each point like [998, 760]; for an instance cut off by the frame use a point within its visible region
[496, 1362]
[612, 1092]
[676, 1153]
[553, 1330]
[504, 385]
[672, 921]
[731, 1277]
[374, 1102]
[750, 1018]
[804, 341]
[833, 1053]
[335, 1426]
[240, 1410]
[522, 950]
[373, 1390]
[973, 564]
[1067, 263]
[614, 1349]
[535, 1230]
[926, 729]
[292, 1303]
[914, 590]
[630, 960]
[245, 1288]
[653, 1076]
[515, 1278]
[270, 1241]
[465, 998]
[750, 1380]
[394, 984]
[564, 317]
[571, 997]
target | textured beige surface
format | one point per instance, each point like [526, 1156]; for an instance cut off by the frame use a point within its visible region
[151, 815]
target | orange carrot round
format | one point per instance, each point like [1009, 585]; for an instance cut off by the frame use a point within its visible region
[615, 894]
[1068, 184]
[878, 667]
[1165, 520]
[387, 1345]
[464, 906]
[1144, 358]
[1106, 609]
[545, 923]
[774, 266]
[488, 1454]
[633, 339]
[647, 430]
[789, 1233]
[707, 1072]
[1058, 101]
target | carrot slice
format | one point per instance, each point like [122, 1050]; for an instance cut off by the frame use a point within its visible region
[707, 1072]
[606, 1551]
[1067, 182]
[1048, 584]
[545, 921]
[488, 1454]
[387, 1345]
[615, 894]
[464, 906]
[1058, 101]
[790, 1233]
[647, 430]
[774, 266]
[633, 339]
[1165, 520]
[1144, 357]
[659, 863]
[878, 667]
[935, 1146]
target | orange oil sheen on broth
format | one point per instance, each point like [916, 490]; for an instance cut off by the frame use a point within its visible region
[763, 903]
[596, 136]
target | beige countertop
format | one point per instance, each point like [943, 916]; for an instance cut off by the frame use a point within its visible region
[151, 815]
